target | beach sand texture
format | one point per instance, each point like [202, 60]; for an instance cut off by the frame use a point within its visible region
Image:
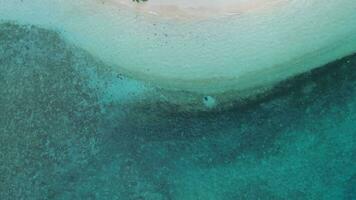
[206, 47]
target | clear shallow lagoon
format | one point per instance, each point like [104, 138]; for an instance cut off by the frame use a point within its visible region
[252, 47]
[71, 128]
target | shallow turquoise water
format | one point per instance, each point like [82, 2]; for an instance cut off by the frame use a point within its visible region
[73, 129]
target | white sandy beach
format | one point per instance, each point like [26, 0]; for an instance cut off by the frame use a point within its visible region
[207, 47]
[200, 9]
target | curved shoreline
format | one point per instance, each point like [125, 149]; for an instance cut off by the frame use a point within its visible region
[193, 10]
[208, 57]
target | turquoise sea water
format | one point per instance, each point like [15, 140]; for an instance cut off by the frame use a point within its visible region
[73, 129]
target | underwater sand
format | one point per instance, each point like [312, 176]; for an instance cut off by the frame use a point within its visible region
[72, 128]
[207, 55]
[178, 100]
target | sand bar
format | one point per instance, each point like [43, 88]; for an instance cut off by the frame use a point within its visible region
[207, 47]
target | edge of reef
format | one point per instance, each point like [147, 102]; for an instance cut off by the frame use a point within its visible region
[170, 101]
[183, 101]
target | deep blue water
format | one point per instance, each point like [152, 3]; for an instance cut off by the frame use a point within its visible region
[65, 135]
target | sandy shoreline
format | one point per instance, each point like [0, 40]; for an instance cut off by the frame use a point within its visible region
[201, 9]
[268, 41]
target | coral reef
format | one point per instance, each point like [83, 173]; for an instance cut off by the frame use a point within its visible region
[67, 132]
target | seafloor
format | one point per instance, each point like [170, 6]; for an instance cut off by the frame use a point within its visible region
[70, 128]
